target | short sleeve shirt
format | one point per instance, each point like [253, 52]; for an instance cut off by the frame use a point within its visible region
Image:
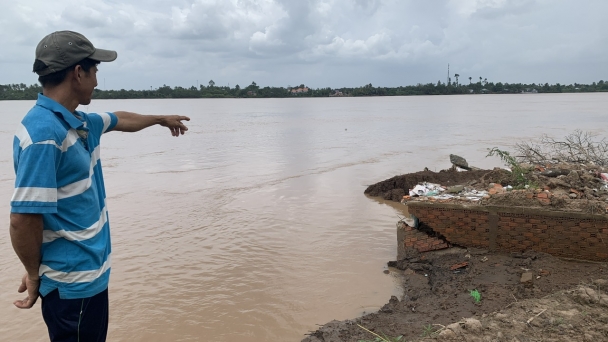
[57, 163]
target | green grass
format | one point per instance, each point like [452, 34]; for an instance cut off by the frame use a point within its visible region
[379, 338]
[476, 296]
[428, 331]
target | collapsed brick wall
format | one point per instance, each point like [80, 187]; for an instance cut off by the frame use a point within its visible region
[420, 241]
[571, 235]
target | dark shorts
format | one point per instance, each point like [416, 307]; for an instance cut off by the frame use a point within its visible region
[76, 320]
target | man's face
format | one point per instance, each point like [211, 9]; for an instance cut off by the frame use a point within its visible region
[88, 84]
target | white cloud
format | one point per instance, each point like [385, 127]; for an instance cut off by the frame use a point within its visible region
[318, 42]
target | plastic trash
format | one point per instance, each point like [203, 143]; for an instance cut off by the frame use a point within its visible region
[426, 189]
[411, 221]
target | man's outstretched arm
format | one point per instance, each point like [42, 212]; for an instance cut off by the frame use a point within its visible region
[133, 122]
[26, 237]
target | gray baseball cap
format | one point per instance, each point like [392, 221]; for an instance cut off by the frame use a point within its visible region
[62, 49]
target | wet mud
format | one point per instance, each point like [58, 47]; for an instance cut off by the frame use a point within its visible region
[438, 285]
[437, 293]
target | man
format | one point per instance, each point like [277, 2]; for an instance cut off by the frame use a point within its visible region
[59, 223]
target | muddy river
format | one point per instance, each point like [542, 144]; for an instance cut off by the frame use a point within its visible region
[254, 226]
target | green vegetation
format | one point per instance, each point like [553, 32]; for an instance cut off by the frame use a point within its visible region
[24, 92]
[476, 296]
[428, 331]
[379, 338]
[518, 172]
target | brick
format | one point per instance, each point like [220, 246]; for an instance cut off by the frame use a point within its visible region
[544, 201]
[592, 240]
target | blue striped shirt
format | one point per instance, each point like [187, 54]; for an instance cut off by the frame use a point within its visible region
[58, 174]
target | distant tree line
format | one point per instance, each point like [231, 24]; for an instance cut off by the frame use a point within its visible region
[24, 92]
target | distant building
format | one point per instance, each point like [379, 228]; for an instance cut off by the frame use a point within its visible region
[300, 90]
[336, 93]
[251, 93]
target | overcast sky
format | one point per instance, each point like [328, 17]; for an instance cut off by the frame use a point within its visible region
[319, 43]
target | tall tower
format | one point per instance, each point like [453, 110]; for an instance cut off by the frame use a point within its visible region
[448, 81]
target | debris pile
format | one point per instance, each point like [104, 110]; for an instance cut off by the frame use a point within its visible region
[559, 186]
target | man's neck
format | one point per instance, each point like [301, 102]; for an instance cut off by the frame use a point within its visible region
[62, 95]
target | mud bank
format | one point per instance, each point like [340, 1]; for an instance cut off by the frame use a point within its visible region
[436, 295]
[513, 285]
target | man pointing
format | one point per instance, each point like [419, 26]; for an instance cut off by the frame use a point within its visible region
[59, 224]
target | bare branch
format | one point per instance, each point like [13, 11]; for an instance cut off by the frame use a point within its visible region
[577, 147]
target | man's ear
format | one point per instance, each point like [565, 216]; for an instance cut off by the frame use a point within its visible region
[78, 73]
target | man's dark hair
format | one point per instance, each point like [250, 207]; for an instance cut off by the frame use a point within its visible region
[56, 78]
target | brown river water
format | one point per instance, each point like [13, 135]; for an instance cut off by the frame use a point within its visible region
[253, 226]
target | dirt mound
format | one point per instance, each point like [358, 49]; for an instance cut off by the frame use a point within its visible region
[562, 187]
[395, 188]
[580, 314]
[435, 292]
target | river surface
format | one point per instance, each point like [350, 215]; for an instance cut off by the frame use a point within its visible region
[253, 226]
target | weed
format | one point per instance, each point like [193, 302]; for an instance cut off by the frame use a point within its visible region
[428, 331]
[518, 172]
[476, 296]
[379, 338]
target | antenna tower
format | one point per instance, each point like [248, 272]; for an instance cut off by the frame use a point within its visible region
[448, 81]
